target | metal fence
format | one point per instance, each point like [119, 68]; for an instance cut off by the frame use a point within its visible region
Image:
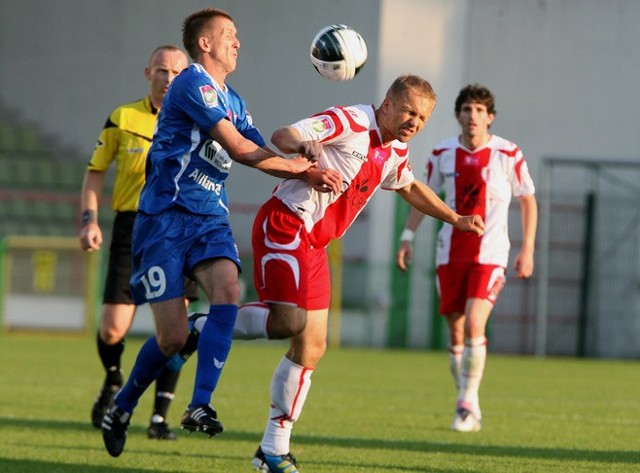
[588, 259]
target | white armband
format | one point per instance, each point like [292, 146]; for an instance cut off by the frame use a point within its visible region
[407, 235]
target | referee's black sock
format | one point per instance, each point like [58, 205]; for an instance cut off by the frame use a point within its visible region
[165, 391]
[110, 356]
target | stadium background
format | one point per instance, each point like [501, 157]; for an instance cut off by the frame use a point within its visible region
[565, 75]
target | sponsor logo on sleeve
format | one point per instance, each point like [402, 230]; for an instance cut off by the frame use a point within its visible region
[209, 96]
[321, 125]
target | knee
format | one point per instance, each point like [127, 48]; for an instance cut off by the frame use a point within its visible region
[116, 320]
[225, 293]
[474, 328]
[307, 351]
[111, 335]
[316, 349]
[457, 327]
[171, 343]
[232, 291]
[286, 324]
[456, 337]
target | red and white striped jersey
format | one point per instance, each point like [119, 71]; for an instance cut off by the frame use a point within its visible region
[352, 145]
[480, 182]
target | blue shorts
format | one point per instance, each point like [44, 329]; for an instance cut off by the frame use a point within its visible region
[167, 246]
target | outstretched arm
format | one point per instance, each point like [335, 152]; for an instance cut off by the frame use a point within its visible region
[425, 201]
[246, 152]
[422, 198]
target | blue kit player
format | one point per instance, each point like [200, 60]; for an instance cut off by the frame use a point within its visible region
[182, 226]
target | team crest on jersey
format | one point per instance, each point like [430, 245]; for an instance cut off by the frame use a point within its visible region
[209, 95]
[213, 153]
[471, 160]
[321, 125]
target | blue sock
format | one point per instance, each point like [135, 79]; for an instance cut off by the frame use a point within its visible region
[146, 369]
[213, 347]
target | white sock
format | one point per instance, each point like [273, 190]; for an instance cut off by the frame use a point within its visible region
[455, 363]
[473, 361]
[251, 322]
[289, 387]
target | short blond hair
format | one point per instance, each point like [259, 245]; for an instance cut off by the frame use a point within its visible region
[412, 82]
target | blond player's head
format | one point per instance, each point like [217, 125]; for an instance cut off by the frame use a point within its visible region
[406, 108]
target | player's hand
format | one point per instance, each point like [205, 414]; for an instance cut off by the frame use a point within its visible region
[324, 180]
[523, 264]
[91, 237]
[470, 223]
[404, 255]
[312, 150]
[300, 165]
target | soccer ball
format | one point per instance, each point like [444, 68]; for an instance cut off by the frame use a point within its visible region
[338, 52]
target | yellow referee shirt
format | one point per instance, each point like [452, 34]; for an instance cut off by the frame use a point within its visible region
[126, 139]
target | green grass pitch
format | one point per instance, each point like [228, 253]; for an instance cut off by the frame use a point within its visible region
[368, 411]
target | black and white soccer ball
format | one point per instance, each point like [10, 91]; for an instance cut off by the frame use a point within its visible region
[338, 52]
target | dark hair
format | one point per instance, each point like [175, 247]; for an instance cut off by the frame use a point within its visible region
[196, 25]
[416, 83]
[476, 93]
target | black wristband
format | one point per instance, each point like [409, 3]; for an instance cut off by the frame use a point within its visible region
[88, 216]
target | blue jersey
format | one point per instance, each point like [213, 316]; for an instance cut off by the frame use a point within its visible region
[185, 167]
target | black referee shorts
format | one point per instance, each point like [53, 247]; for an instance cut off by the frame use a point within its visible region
[117, 289]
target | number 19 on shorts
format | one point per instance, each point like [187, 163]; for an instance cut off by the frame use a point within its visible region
[155, 282]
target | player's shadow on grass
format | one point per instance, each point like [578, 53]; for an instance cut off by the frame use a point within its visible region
[54, 467]
[561, 454]
[57, 424]
[453, 448]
